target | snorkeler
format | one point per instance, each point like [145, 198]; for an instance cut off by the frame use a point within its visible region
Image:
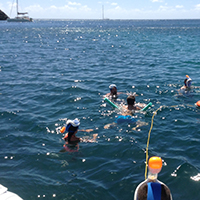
[126, 116]
[151, 188]
[113, 92]
[131, 105]
[187, 83]
[71, 130]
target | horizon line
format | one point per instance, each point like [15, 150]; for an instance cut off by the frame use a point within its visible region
[107, 19]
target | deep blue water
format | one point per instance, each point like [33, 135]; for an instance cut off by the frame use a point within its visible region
[53, 70]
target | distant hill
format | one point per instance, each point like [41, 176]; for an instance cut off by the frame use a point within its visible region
[3, 16]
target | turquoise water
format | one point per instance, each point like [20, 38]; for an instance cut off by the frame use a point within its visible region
[53, 70]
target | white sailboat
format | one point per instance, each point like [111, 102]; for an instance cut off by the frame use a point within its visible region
[21, 16]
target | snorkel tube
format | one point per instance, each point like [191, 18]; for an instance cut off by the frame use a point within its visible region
[62, 130]
[188, 82]
[155, 166]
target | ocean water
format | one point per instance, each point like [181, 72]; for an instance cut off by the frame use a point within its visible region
[52, 70]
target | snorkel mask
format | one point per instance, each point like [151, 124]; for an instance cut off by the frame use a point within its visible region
[112, 86]
[188, 82]
[75, 123]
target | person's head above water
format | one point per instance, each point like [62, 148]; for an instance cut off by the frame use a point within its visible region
[131, 100]
[188, 81]
[113, 89]
[72, 125]
[72, 128]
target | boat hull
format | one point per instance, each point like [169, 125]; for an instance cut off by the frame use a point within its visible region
[20, 19]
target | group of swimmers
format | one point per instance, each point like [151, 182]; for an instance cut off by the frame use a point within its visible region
[128, 110]
[131, 106]
[72, 126]
[151, 188]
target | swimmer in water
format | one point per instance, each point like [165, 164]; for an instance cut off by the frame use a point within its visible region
[113, 92]
[72, 129]
[131, 105]
[127, 113]
[187, 83]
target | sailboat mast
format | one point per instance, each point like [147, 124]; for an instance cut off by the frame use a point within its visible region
[17, 6]
[102, 12]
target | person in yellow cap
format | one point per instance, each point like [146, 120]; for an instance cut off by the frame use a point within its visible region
[151, 188]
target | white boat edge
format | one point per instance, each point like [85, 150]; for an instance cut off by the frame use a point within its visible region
[6, 195]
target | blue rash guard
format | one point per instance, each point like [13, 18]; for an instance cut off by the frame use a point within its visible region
[154, 191]
[125, 119]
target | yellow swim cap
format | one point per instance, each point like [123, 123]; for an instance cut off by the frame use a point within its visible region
[155, 164]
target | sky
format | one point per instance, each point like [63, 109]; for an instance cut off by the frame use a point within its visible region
[114, 9]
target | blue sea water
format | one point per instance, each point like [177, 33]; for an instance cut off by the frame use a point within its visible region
[52, 70]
